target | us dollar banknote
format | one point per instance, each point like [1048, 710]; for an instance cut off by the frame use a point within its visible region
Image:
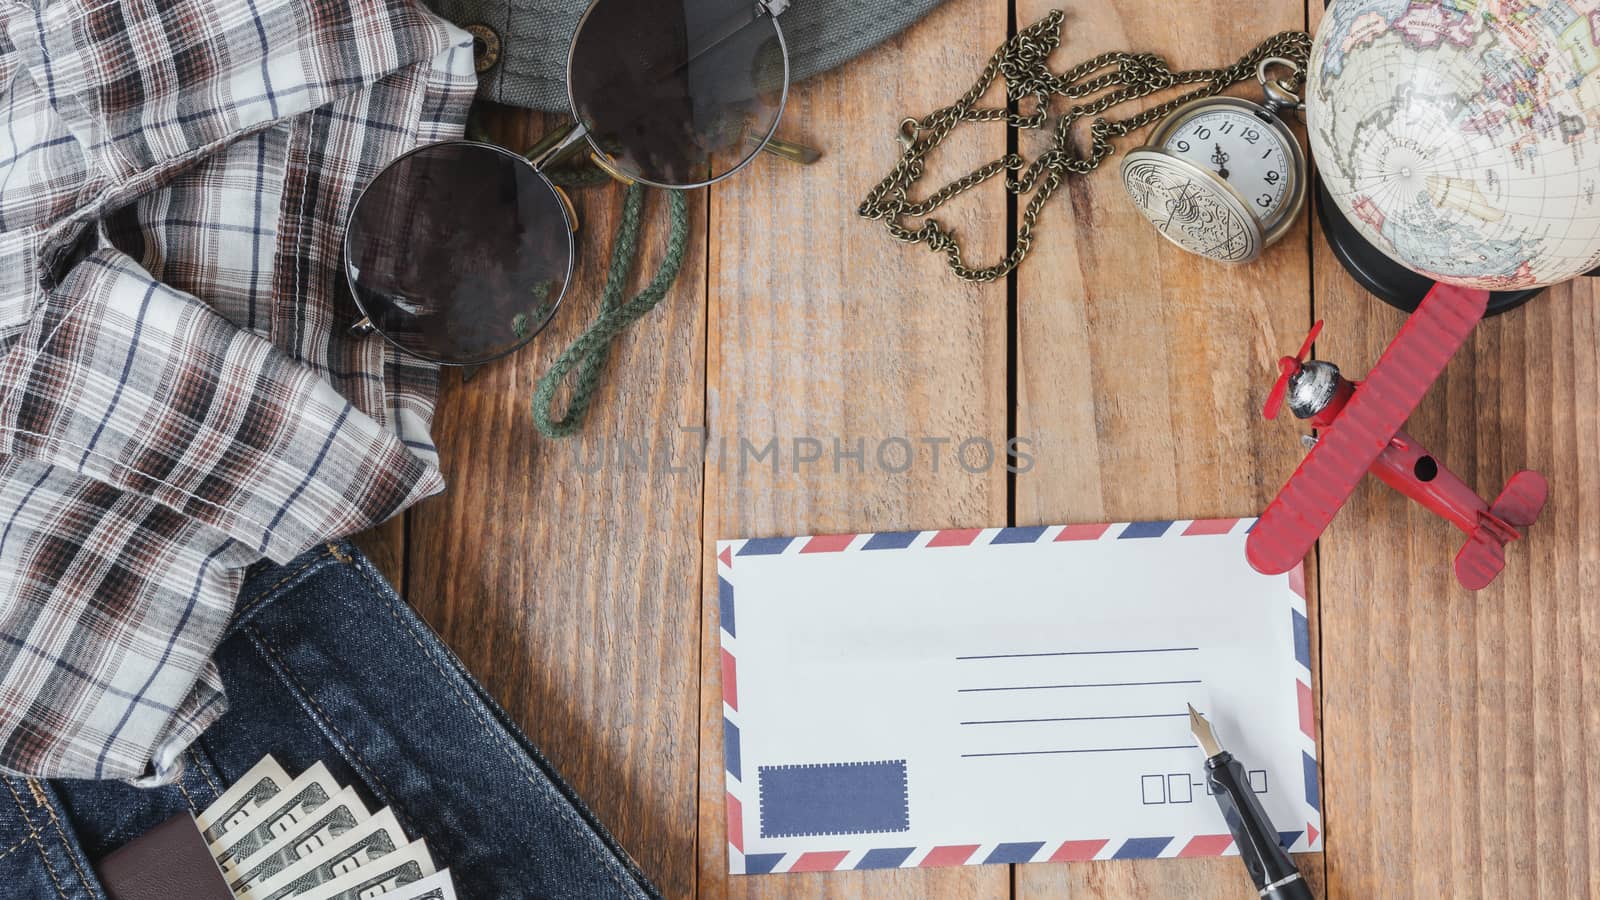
[238, 804]
[437, 886]
[331, 821]
[406, 866]
[309, 838]
[369, 843]
[304, 796]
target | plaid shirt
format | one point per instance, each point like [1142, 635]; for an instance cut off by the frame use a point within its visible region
[178, 394]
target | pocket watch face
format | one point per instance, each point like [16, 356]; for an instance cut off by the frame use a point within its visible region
[1221, 177]
[1241, 150]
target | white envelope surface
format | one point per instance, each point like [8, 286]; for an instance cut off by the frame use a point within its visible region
[1006, 695]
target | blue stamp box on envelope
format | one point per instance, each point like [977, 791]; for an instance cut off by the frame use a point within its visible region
[834, 798]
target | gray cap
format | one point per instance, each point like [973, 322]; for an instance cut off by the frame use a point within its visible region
[523, 43]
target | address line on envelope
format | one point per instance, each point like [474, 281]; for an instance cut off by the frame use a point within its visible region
[1086, 685]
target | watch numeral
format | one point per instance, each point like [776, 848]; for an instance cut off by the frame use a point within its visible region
[1273, 175]
[1267, 154]
[1183, 146]
[1226, 128]
[1250, 135]
[1264, 201]
[1202, 132]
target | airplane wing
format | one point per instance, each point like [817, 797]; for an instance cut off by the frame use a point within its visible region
[1379, 408]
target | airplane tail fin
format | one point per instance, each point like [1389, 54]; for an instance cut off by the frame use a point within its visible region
[1522, 500]
[1483, 556]
[1480, 560]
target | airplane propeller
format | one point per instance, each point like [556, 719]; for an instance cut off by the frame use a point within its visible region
[1288, 367]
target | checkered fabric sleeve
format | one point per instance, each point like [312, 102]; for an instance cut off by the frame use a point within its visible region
[179, 397]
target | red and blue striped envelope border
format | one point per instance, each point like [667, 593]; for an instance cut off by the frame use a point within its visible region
[740, 790]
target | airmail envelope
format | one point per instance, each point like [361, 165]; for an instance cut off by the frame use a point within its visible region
[1006, 695]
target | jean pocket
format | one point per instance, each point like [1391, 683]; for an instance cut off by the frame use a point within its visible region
[40, 856]
[340, 670]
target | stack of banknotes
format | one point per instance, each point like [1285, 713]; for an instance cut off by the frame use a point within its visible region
[309, 838]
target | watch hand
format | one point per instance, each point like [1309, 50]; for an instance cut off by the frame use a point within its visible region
[1220, 160]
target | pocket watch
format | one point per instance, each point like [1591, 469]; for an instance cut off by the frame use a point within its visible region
[1221, 176]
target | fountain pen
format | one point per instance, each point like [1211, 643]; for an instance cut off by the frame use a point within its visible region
[1273, 872]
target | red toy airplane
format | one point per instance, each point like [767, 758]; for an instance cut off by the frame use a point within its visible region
[1361, 429]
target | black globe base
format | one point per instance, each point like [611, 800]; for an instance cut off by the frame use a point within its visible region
[1384, 278]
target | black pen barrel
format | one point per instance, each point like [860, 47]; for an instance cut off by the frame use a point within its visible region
[1270, 866]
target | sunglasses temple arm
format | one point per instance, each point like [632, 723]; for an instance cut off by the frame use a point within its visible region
[795, 153]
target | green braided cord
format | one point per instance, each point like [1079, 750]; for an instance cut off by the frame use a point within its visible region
[591, 349]
[589, 352]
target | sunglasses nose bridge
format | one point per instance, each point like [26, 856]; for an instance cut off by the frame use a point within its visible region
[562, 142]
[557, 144]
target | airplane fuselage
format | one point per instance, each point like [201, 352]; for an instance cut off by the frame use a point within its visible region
[1409, 468]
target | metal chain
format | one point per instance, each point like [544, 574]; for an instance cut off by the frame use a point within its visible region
[1122, 76]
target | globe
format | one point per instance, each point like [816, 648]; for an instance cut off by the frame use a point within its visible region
[1462, 137]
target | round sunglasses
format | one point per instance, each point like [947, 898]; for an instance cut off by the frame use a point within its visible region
[460, 252]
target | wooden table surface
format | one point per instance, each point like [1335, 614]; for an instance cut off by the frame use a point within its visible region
[579, 588]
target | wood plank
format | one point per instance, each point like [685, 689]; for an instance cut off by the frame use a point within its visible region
[1458, 726]
[569, 583]
[823, 327]
[1142, 369]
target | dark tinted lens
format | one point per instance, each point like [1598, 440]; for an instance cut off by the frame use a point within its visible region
[459, 252]
[664, 86]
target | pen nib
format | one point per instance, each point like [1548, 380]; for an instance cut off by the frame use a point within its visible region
[1203, 733]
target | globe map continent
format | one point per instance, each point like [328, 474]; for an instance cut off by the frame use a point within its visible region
[1462, 137]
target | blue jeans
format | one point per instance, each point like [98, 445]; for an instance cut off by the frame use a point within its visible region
[323, 662]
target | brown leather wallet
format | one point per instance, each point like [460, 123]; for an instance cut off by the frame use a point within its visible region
[169, 861]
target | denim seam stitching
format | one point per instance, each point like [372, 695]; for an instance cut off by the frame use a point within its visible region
[294, 684]
[38, 845]
[186, 798]
[13, 848]
[195, 756]
[27, 816]
[248, 605]
[516, 760]
[83, 879]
